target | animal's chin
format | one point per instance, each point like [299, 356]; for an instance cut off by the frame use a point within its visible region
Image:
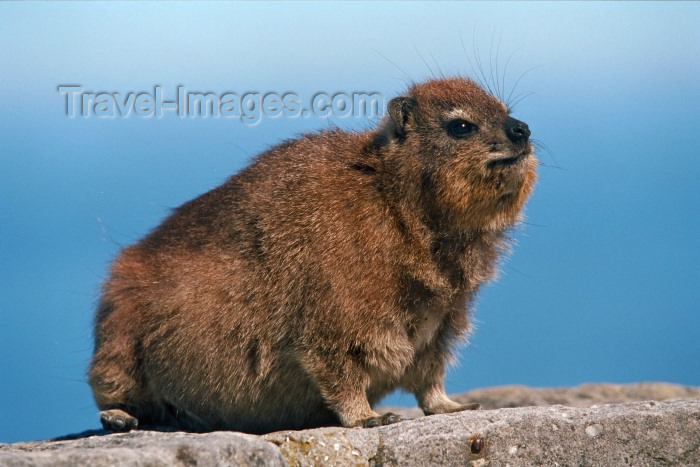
[508, 160]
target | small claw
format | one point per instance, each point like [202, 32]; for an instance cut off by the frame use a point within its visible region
[389, 418]
[386, 419]
[371, 423]
[472, 406]
[116, 424]
[117, 420]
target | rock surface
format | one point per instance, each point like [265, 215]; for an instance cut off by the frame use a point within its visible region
[637, 433]
[623, 433]
[502, 397]
[146, 448]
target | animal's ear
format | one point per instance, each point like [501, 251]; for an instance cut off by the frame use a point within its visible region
[401, 110]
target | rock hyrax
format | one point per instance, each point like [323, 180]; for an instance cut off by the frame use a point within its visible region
[332, 270]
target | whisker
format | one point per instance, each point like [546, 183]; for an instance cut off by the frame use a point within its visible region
[432, 73]
[518, 99]
[518, 82]
[410, 79]
[540, 145]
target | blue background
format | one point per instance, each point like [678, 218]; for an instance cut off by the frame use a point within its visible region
[603, 282]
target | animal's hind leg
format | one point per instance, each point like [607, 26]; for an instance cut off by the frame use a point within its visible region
[116, 391]
[115, 376]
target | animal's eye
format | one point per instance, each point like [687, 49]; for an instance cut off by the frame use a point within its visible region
[460, 128]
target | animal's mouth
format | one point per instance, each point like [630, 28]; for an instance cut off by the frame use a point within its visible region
[507, 161]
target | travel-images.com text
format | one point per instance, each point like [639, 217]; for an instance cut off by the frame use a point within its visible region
[249, 107]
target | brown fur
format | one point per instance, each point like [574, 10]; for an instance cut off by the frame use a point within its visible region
[332, 270]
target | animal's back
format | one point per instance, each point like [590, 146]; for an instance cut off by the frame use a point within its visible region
[212, 306]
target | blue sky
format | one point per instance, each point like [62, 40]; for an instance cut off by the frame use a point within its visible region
[602, 285]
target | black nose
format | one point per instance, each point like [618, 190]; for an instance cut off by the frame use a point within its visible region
[517, 131]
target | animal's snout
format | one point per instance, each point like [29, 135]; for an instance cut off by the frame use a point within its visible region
[517, 131]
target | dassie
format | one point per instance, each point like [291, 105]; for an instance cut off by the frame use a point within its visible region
[333, 269]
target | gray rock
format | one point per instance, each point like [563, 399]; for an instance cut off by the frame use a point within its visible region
[630, 433]
[502, 397]
[578, 396]
[141, 448]
[637, 433]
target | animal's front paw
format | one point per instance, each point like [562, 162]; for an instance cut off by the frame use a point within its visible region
[450, 407]
[118, 420]
[386, 419]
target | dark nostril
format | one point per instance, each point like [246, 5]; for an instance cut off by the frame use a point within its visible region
[522, 129]
[516, 130]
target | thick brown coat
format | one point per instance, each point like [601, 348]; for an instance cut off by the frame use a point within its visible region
[332, 270]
